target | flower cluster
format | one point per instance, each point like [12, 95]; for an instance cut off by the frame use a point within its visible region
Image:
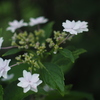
[35, 46]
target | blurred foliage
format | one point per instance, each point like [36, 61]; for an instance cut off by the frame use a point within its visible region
[85, 75]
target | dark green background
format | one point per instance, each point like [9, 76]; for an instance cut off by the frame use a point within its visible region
[85, 74]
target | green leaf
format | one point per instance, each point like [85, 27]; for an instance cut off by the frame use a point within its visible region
[77, 52]
[64, 63]
[48, 29]
[13, 92]
[68, 54]
[1, 93]
[53, 76]
[12, 51]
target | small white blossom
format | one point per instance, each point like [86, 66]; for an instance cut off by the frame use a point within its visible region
[1, 40]
[4, 67]
[15, 25]
[75, 27]
[36, 21]
[29, 81]
[9, 77]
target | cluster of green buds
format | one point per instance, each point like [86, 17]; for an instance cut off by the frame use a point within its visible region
[36, 41]
[59, 37]
[25, 40]
[28, 58]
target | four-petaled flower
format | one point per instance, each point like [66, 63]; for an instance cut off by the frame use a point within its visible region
[75, 27]
[1, 40]
[15, 25]
[4, 67]
[29, 81]
[36, 21]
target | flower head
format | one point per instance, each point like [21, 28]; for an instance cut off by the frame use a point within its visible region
[36, 21]
[1, 40]
[4, 67]
[75, 27]
[15, 25]
[29, 82]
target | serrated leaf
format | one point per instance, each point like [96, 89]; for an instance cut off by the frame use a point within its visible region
[53, 76]
[48, 29]
[12, 51]
[68, 54]
[77, 52]
[1, 93]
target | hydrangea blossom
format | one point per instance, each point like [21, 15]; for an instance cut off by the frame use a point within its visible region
[15, 25]
[36, 21]
[29, 81]
[4, 67]
[75, 27]
[1, 40]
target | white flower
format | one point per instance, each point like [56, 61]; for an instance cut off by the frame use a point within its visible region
[15, 25]
[29, 82]
[75, 27]
[9, 77]
[4, 67]
[1, 40]
[36, 21]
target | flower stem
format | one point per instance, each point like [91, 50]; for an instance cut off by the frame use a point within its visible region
[16, 64]
[8, 47]
[68, 36]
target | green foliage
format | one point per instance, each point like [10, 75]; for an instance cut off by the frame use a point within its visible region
[77, 52]
[13, 92]
[68, 54]
[53, 76]
[62, 61]
[1, 93]
[12, 51]
[48, 29]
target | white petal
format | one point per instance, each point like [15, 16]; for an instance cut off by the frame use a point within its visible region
[4, 74]
[27, 75]
[34, 89]
[35, 77]
[1, 40]
[71, 31]
[26, 89]
[1, 60]
[39, 82]
[12, 29]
